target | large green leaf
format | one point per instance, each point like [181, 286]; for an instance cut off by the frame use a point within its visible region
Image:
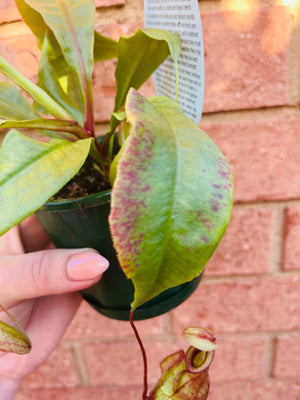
[13, 104]
[31, 172]
[171, 199]
[73, 26]
[139, 56]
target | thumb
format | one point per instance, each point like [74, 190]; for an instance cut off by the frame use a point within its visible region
[48, 272]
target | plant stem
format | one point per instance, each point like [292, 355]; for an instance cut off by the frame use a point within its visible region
[71, 127]
[143, 355]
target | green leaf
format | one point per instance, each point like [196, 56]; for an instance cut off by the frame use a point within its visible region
[104, 48]
[52, 68]
[31, 172]
[172, 39]
[171, 200]
[13, 104]
[138, 57]
[72, 23]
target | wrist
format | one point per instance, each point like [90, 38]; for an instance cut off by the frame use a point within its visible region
[8, 388]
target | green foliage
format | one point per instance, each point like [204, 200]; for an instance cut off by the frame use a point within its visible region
[172, 187]
[181, 202]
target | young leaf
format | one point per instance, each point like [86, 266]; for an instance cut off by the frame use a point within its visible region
[138, 57]
[33, 19]
[13, 105]
[171, 199]
[72, 25]
[31, 172]
[104, 48]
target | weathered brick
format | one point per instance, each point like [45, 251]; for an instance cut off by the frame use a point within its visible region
[287, 356]
[239, 358]
[57, 371]
[242, 305]
[264, 155]
[80, 393]
[292, 238]
[268, 389]
[245, 69]
[88, 323]
[245, 246]
[8, 11]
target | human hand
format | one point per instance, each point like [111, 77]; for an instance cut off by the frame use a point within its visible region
[38, 288]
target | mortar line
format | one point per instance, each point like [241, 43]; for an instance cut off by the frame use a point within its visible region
[270, 356]
[276, 259]
[80, 364]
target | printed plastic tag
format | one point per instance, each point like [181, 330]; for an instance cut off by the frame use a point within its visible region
[183, 17]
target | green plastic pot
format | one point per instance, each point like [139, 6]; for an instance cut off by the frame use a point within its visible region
[83, 222]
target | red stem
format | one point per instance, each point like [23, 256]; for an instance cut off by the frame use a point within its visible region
[143, 355]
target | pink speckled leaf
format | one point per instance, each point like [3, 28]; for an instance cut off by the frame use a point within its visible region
[171, 200]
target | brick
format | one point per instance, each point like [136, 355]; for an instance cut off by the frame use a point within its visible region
[109, 3]
[268, 389]
[245, 69]
[264, 155]
[245, 246]
[22, 52]
[287, 356]
[8, 11]
[57, 371]
[117, 363]
[292, 238]
[239, 358]
[88, 323]
[80, 393]
[242, 305]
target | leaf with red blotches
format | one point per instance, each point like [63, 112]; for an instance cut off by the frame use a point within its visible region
[171, 199]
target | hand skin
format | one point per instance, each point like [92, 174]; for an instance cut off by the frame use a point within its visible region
[38, 287]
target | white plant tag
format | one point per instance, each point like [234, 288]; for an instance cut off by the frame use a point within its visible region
[183, 17]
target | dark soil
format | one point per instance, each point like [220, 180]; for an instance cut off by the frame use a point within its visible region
[88, 180]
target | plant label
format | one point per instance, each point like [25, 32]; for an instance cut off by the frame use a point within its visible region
[183, 17]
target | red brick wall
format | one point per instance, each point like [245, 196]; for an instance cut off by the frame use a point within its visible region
[250, 294]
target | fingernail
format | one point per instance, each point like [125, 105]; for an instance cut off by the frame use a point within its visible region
[86, 265]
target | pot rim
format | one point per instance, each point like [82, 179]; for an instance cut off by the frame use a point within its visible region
[78, 202]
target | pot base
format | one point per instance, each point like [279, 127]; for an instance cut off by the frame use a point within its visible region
[161, 304]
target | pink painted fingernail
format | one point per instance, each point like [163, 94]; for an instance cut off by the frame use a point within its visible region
[86, 265]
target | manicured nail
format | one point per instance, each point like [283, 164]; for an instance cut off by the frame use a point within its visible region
[86, 265]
